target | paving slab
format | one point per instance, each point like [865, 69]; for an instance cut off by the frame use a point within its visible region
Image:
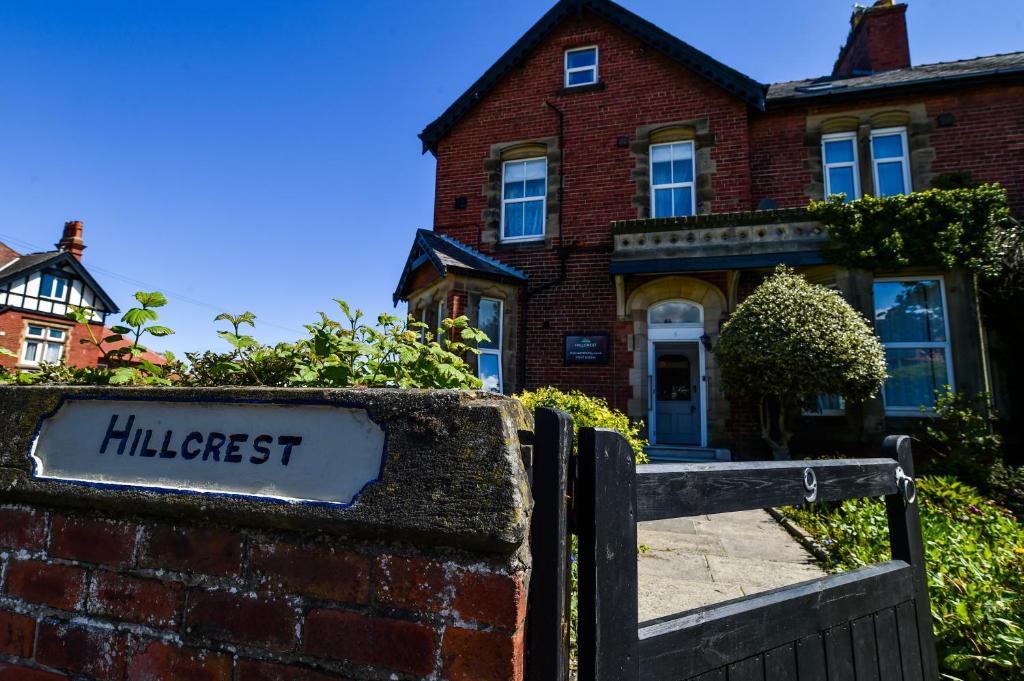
[692, 562]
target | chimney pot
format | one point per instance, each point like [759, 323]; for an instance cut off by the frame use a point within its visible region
[877, 40]
[72, 241]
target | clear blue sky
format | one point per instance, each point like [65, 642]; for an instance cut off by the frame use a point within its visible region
[263, 155]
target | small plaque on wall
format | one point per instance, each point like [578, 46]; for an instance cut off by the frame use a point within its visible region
[590, 348]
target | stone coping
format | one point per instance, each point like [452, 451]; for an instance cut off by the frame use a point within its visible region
[738, 219]
[453, 473]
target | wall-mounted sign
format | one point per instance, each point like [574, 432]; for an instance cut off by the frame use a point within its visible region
[586, 348]
[290, 452]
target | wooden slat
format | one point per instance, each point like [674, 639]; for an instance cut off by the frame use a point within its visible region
[780, 663]
[681, 490]
[750, 669]
[888, 645]
[839, 653]
[606, 517]
[906, 545]
[711, 637]
[547, 631]
[865, 650]
[910, 643]
[810, 657]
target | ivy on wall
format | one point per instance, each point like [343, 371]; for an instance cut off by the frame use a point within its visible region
[967, 227]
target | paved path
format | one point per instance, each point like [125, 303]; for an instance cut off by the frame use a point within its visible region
[692, 562]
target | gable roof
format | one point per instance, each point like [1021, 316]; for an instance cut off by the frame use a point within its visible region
[994, 66]
[742, 86]
[33, 261]
[450, 255]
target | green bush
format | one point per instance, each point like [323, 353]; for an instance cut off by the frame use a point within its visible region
[587, 412]
[790, 342]
[974, 555]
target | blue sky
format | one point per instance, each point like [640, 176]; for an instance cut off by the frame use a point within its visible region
[263, 155]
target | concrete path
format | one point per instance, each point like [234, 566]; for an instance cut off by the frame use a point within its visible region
[692, 562]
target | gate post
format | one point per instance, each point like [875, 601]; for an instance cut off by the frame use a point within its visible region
[547, 649]
[605, 503]
[906, 545]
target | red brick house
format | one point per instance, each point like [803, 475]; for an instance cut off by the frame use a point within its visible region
[36, 290]
[606, 195]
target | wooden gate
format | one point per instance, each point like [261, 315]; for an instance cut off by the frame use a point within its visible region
[871, 624]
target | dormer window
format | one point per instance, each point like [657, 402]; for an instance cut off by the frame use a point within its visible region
[581, 66]
[52, 287]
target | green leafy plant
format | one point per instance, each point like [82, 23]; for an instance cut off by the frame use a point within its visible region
[791, 341]
[587, 412]
[974, 556]
[969, 227]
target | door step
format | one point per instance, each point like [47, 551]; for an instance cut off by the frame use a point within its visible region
[669, 453]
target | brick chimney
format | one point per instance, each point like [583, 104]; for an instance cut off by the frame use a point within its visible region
[877, 40]
[72, 241]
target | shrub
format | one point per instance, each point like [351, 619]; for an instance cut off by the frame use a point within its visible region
[791, 341]
[587, 412]
[974, 555]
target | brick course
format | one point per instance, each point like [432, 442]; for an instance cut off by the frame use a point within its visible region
[190, 602]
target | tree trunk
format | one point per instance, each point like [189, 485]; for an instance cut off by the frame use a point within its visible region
[779, 446]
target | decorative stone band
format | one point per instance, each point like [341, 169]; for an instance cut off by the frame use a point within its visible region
[420, 466]
[725, 240]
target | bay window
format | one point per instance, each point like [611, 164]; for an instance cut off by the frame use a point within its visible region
[912, 322]
[889, 162]
[489, 359]
[524, 199]
[672, 173]
[839, 154]
[43, 344]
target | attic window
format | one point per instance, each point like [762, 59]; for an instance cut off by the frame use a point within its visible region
[581, 66]
[52, 287]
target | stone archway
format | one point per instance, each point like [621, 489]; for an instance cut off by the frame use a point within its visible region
[713, 300]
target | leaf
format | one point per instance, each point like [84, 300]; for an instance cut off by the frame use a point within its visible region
[137, 317]
[159, 331]
[7, 353]
[120, 329]
[153, 299]
[122, 376]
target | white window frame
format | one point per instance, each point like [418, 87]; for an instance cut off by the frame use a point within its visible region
[904, 159]
[42, 342]
[580, 69]
[497, 341]
[855, 164]
[53, 278]
[946, 345]
[442, 314]
[543, 199]
[674, 185]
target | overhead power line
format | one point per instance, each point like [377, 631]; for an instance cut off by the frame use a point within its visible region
[181, 297]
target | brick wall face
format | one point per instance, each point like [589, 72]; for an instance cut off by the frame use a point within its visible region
[93, 597]
[13, 322]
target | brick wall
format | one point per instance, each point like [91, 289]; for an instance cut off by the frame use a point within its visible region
[100, 597]
[12, 324]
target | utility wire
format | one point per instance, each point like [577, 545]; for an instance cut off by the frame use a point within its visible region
[146, 285]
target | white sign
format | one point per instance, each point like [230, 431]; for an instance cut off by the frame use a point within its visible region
[292, 452]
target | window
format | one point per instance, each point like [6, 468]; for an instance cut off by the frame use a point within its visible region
[52, 287]
[524, 199]
[43, 344]
[675, 313]
[839, 152]
[672, 180]
[581, 67]
[910, 318]
[889, 161]
[441, 316]
[489, 359]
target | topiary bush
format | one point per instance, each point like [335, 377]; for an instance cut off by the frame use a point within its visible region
[791, 341]
[974, 555]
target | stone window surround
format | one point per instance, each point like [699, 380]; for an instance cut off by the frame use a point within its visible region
[914, 118]
[492, 189]
[699, 132]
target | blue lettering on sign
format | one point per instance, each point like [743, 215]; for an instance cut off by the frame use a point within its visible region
[213, 446]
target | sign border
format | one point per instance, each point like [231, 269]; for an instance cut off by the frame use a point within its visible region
[343, 404]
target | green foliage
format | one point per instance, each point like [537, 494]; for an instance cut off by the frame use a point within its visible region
[974, 554]
[967, 227]
[961, 441]
[791, 341]
[587, 412]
